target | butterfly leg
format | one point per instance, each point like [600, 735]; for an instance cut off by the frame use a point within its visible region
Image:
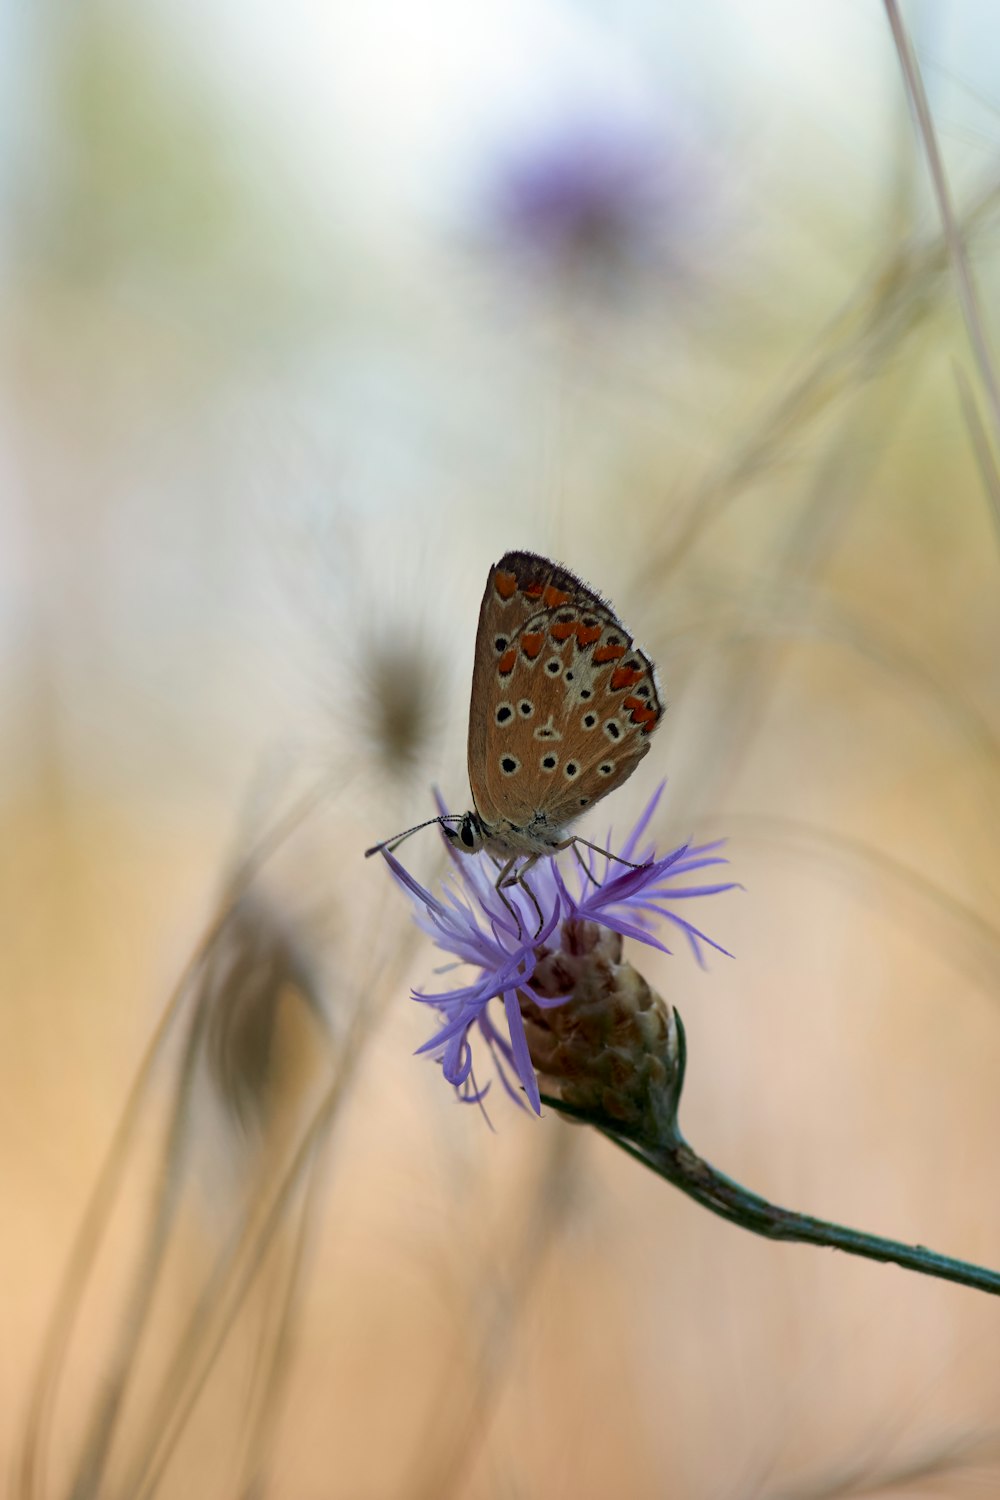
[509, 876]
[583, 863]
[522, 882]
[608, 854]
[503, 879]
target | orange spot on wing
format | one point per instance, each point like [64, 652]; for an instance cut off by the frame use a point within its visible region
[586, 635]
[642, 713]
[533, 590]
[608, 653]
[532, 642]
[505, 585]
[553, 597]
[562, 632]
[506, 663]
[623, 677]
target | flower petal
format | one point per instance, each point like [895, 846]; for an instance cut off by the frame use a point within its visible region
[493, 933]
[519, 1046]
[645, 817]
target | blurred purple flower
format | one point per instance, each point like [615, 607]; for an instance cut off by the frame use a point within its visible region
[473, 924]
[595, 192]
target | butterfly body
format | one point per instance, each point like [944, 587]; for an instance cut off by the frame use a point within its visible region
[507, 840]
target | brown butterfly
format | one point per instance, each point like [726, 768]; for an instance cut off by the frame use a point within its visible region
[563, 706]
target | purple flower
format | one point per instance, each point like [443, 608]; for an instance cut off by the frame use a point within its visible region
[595, 189]
[472, 922]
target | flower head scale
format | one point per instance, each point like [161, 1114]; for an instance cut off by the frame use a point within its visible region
[473, 923]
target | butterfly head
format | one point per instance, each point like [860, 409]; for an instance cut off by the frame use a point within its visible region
[464, 831]
[467, 835]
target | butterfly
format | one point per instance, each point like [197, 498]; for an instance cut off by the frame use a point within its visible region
[563, 706]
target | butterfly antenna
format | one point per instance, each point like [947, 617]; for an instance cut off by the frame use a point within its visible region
[397, 838]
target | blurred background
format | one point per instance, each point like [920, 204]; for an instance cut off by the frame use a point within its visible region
[310, 312]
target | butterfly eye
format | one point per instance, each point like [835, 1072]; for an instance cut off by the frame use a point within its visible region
[509, 764]
[468, 834]
[613, 729]
[504, 712]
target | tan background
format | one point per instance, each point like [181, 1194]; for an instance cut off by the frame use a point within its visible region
[279, 385]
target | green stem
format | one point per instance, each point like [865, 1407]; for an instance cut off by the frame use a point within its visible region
[672, 1158]
[714, 1190]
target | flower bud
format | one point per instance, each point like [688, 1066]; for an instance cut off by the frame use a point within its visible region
[611, 1047]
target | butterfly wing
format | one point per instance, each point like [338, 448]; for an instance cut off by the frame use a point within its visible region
[563, 701]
